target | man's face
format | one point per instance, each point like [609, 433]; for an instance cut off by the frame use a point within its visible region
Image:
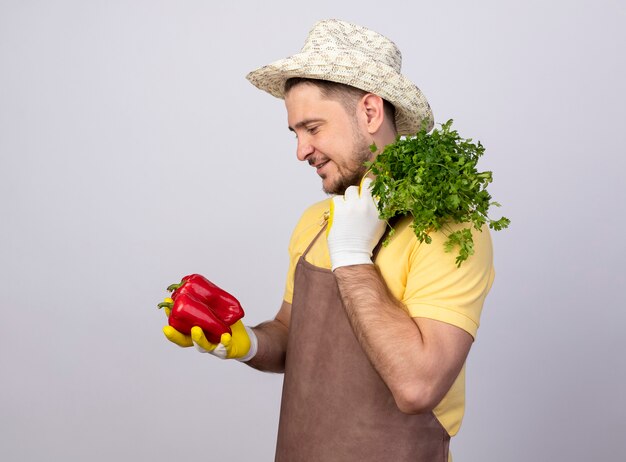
[329, 138]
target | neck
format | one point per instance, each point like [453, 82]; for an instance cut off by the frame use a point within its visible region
[386, 135]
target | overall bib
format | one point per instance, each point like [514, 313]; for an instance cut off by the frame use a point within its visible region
[335, 407]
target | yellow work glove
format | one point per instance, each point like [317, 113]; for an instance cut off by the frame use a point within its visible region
[354, 228]
[241, 345]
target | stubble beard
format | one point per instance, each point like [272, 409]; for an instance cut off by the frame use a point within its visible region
[352, 175]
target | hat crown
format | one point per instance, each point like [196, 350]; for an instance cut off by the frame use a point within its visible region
[340, 36]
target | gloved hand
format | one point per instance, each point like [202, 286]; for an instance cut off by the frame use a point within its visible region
[354, 228]
[241, 345]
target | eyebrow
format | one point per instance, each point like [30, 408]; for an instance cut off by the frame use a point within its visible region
[304, 123]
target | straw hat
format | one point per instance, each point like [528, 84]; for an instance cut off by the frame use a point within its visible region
[353, 55]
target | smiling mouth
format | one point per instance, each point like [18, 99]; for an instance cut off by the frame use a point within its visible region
[318, 167]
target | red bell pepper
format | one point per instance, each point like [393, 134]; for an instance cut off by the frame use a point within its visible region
[226, 307]
[188, 312]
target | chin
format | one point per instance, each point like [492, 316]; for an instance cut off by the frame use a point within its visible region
[338, 184]
[328, 186]
[337, 188]
[330, 190]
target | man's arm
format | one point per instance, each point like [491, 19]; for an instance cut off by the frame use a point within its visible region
[418, 358]
[272, 342]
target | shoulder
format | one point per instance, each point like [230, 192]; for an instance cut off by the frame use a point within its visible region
[309, 225]
[311, 220]
[404, 246]
[426, 279]
[317, 210]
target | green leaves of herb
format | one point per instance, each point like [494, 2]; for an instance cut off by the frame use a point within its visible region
[434, 178]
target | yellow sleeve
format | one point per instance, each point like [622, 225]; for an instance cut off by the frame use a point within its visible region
[309, 225]
[288, 295]
[438, 290]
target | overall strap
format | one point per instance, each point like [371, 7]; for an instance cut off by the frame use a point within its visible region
[314, 240]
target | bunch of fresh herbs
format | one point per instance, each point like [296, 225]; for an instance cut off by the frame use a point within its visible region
[433, 177]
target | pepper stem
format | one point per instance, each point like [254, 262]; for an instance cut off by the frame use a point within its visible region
[173, 287]
[165, 305]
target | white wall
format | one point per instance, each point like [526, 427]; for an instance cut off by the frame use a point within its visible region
[133, 151]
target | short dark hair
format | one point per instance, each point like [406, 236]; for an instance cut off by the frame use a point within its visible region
[346, 95]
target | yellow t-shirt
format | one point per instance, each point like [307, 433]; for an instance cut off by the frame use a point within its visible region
[422, 276]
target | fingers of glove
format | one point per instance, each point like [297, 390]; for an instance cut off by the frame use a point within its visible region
[204, 346]
[226, 339]
[200, 341]
[331, 216]
[365, 190]
[365, 186]
[224, 348]
[239, 344]
[176, 337]
[220, 351]
[338, 207]
[352, 193]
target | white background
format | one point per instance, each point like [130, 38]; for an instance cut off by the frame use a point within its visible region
[133, 151]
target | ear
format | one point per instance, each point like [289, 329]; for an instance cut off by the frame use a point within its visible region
[372, 109]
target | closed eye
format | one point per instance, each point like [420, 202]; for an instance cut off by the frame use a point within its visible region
[311, 126]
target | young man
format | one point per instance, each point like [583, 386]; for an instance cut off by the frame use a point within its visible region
[372, 340]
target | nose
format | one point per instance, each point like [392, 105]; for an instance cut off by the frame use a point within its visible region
[304, 150]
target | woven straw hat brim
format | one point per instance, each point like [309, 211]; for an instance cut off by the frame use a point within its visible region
[355, 69]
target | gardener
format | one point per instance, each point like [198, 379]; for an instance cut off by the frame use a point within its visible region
[372, 340]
